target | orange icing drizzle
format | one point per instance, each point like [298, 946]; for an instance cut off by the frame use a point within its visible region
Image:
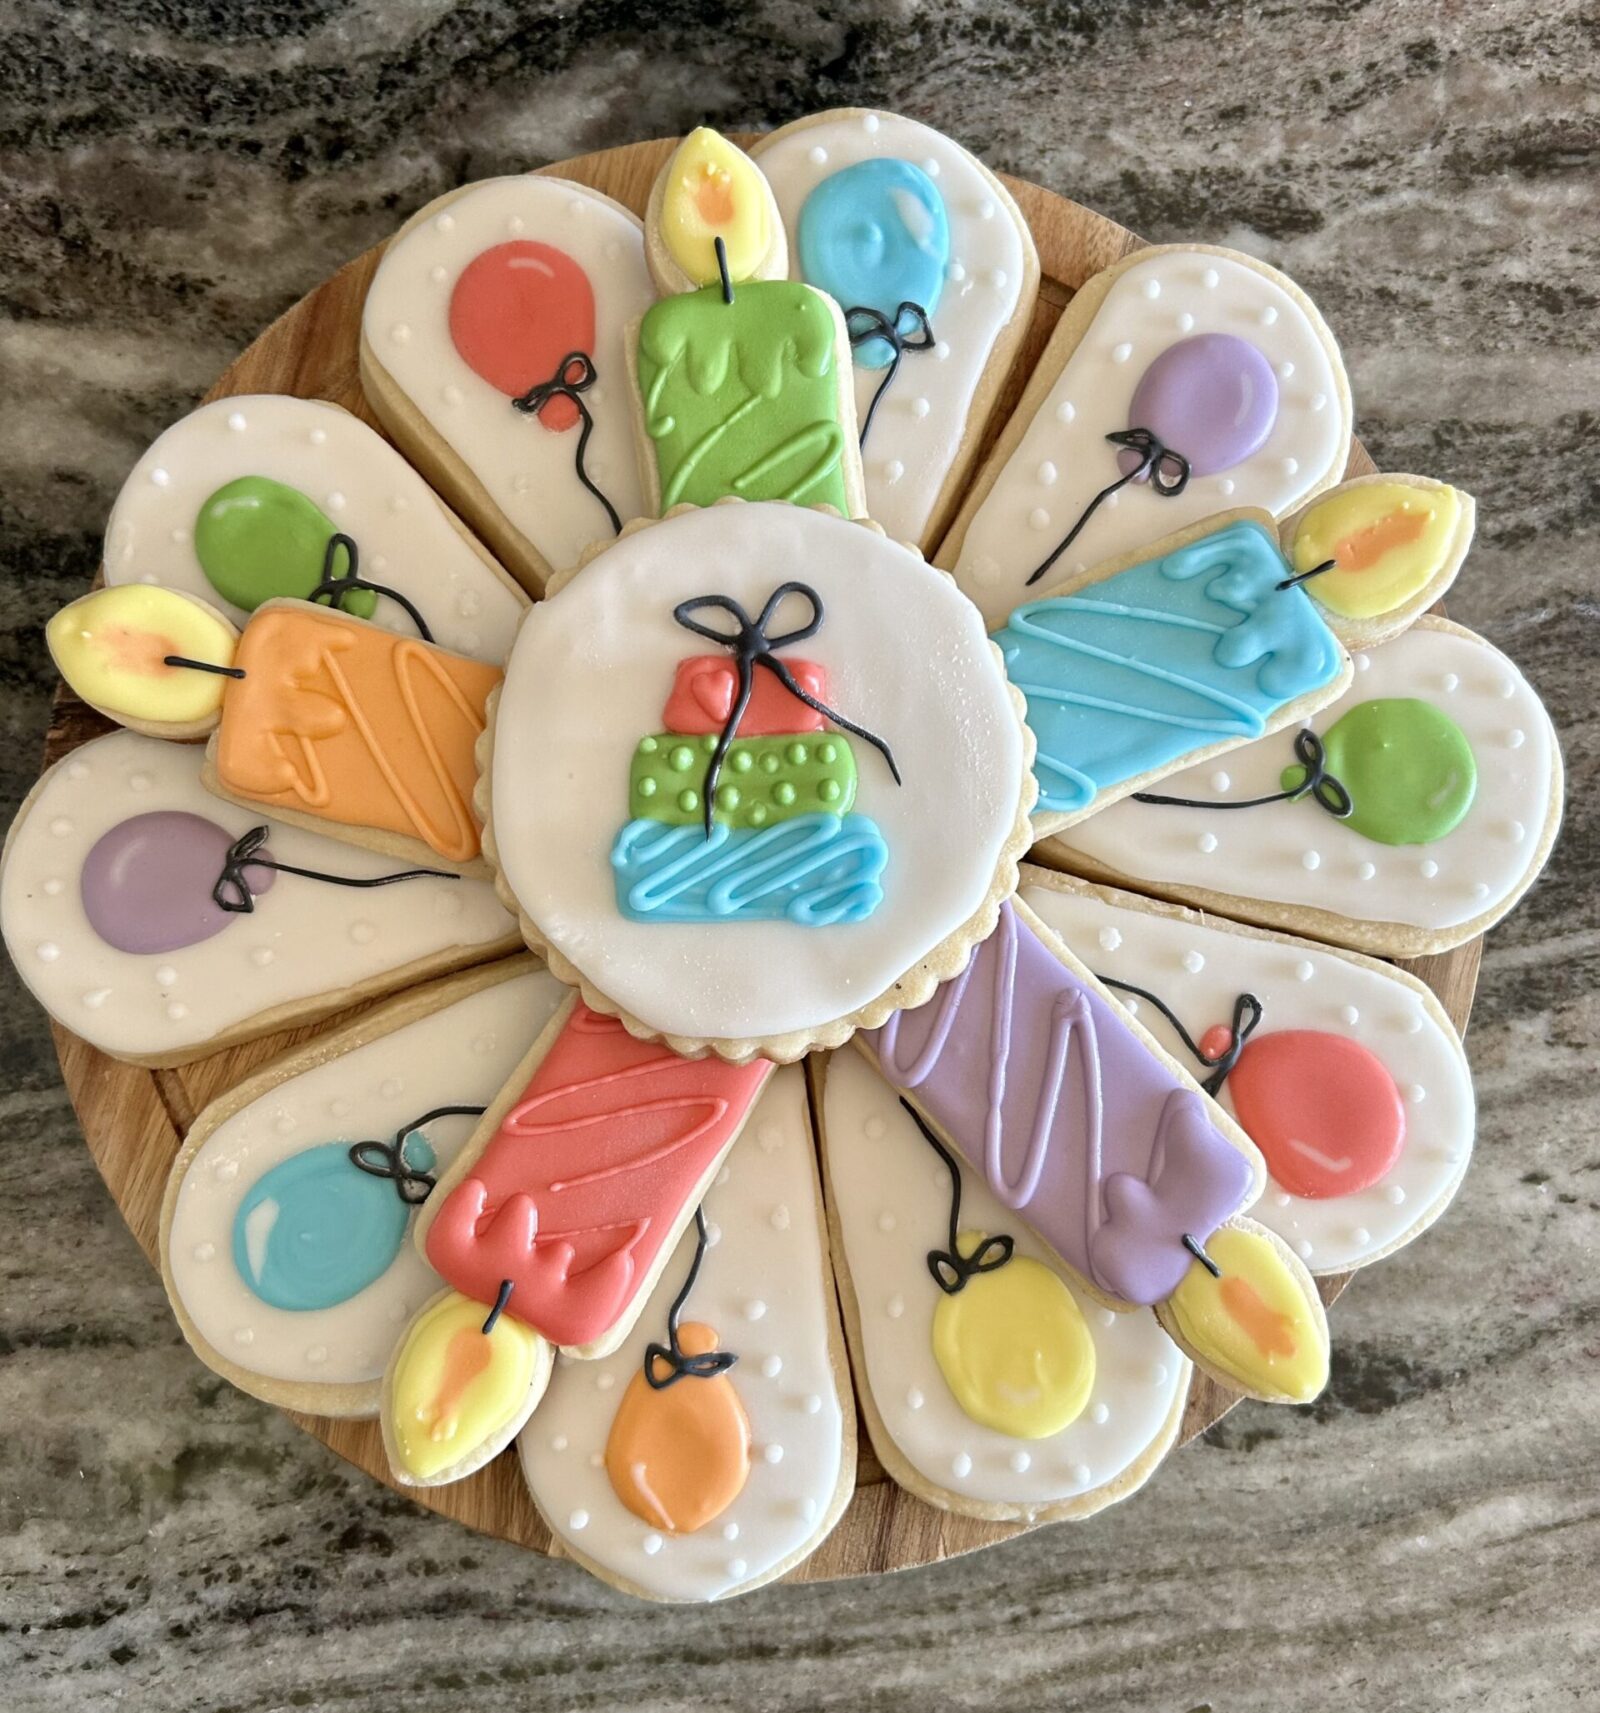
[713, 197]
[1270, 1331]
[1363, 548]
[359, 726]
[679, 1456]
[465, 1358]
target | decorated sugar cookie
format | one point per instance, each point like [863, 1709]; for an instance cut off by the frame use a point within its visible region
[803, 779]
[237, 503]
[992, 1386]
[1089, 1131]
[1428, 806]
[936, 271]
[1183, 381]
[1133, 669]
[741, 377]
[715, 1447]
[160, 924]
[492, 350]
[285, 1230]
[1344, 1072]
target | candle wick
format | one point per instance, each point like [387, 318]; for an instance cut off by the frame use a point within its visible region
[202, 666]
[722, 268]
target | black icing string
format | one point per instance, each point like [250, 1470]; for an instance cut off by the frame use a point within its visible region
[232, 893]
[1246, 1015]
[752, 647]
[722, 269]
[679, 1365]
[1167, 470]
[506, 1286]
[202, 666]
[388, 1159]
[863, 323]
[1306, 576]
[574, 376]
[1326, 791]
[951, 1269]
[1200, 1255]
[335, 585]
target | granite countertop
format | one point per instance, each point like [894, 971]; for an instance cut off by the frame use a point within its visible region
[1422, 1537]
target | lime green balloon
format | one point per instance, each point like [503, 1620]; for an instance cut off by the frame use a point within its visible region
[1408, 768]
[257, 538]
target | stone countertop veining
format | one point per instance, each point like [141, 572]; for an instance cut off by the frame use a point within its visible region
[1425, 1535]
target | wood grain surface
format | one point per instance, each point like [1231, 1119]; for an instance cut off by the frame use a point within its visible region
[134, 1119]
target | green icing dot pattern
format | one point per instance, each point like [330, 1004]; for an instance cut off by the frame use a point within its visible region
[1408, 768]
[257, 539]
[761, 780]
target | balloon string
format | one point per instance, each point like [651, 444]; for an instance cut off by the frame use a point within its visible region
[679, 1365]
[951, 1269]
[1325, 790]
[335, 585]
[1246, 1016]
[574, 376]
[388, 1159]
[1168, 472]
[752, 647]
[863, 323]
[232, 893]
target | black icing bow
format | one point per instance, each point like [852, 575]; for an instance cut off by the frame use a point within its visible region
[1324, 789]
[574, 376]
[680, 1364]
[951, 1270]
[863, 323]
[1246, 1017]
[752, 647]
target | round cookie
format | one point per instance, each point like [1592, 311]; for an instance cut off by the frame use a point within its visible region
[213, 977]
[238, 500]
[1364, 1148]
[764, 1289]
[837, 894]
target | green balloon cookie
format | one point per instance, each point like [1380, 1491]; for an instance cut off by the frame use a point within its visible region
[1408, 768]
[257, 539]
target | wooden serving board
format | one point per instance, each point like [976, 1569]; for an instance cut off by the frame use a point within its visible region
[134, 1119]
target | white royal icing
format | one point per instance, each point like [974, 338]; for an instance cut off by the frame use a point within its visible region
[305, 938]
[459, 1056]
[1063, 458]
[906, 657]
[1199, 971]
[919, 426]
[766, 1289]
[527, 470]
[1298, 854]
[891, 1197]
[364, 488]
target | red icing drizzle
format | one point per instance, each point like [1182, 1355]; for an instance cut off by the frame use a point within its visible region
[1323, 1109]
[587, 1176]
[516, 311]
[705, 687]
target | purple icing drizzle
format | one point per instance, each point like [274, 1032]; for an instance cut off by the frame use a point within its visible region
[1119, 1160]
[146, 884]
[1212, 398]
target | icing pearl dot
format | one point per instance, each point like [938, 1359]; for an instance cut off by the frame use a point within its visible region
[723, 1175]
[1185, 322]
[97, 997]
[390, 1087]
[886, 1222]
[445, 223]
[1450, 682]
[1021, 1462]
[61, 826]
[1269, 315]
[1303, 1249]
[961, 1464]
[931, 167]
[895, 1307]
[873, 1128]
[1209, 279]
[737, 1567]
[1039, 518]
[317, 1355]
[870, 122]
[452, 395]
[1108, 1317]
[261, 956]
[1081, 1474]
[754, 1309]
[237, 422]
[400, 333]
[244, 1335]
[52, 888]
[780, 1219]
[1291, 466]
[713, 1234]
[1158, 1374]
[1516, 832]
[77, 770]
[1427, 868]
[1225, 485]
[999, 279]
[1129, 1004]
[48, 951]
[515, 225]
[1121, 352]
[363, 933]
[1508, 688]
[920, 407]
[1516, 739]
[1100, 1415]
[1367, 871]
[770, 1138]
[893, 470]
[986, 210]
[730, 1531]
[652, 1543]
[772, 1366]
[205, 1251]
[336, 503]
[604, 1382]
[1047, 473]
[1280, 1198]
[1066, 411]
[161, 478]
[1110, 939]
[1416, 1094]
[915, 1399]
[772, 1454]
[812, 1404]
[1319, 401]
[1194, 962]
[1220, 781]
[942, 350]
[1361, 1235]
[1311, 860]
[318, 437]
[1152, 288]
[1207, 842]
[1394, 1194]
[438, 274]
[139, 782]
[1481, 889]
[1349, 1014]
[817, 155]
[558, 1442]
[399, 503]
[177, 1011]
[1285, 370]
[578, 1520]
[597, 1460]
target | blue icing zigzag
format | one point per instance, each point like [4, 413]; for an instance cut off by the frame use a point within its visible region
[1137, 672]
[815, 870]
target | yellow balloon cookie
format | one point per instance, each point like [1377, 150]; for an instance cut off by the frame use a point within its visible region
[1014, 1348]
